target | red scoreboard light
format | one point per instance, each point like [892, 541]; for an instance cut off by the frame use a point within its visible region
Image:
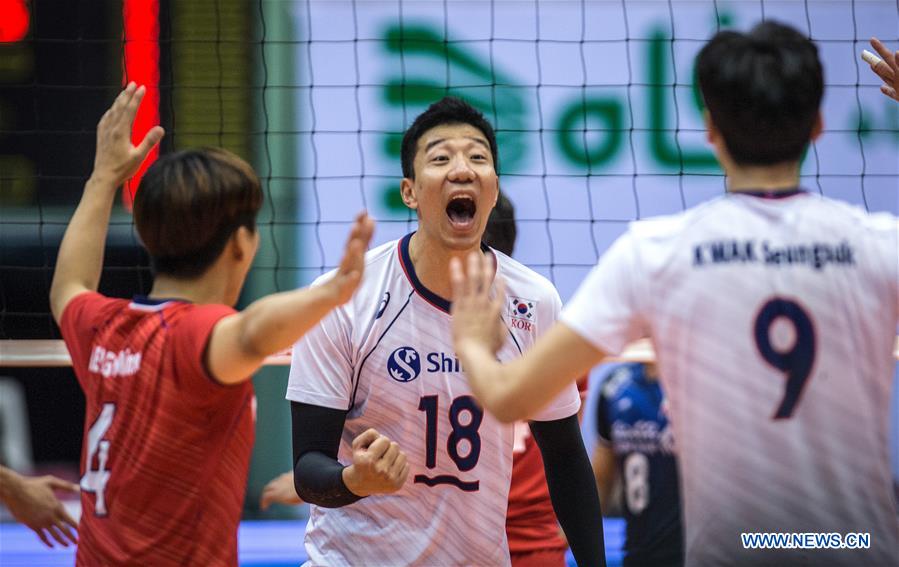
[14, 20]
[141, 65]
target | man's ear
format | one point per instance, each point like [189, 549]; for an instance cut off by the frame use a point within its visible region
[711, 132]
[817, 127]
[242, 243]
[408, 194]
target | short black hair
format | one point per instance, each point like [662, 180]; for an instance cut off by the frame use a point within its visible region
[763, 91]
[448, 110]
[501, 232]
[188, 205]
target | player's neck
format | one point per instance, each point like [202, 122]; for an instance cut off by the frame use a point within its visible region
[431, 263]
[772, 178]
[210, 287]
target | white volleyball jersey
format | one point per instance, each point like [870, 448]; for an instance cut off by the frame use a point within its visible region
[773, 321]
[387, 356]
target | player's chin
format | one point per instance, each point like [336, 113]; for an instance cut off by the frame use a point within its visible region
[463, 239]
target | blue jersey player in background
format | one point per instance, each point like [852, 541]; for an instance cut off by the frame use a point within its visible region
[635, 444]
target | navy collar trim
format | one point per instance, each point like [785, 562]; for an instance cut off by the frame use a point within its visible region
[149, 301]
[768, 194]
[440, 303]
[144, 303]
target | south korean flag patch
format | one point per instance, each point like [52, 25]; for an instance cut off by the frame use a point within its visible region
[523, 309]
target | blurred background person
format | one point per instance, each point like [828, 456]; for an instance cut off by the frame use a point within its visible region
[634, 453]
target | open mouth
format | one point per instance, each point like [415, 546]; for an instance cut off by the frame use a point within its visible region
[461, 211]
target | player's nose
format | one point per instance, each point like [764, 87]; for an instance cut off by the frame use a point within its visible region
[460, 170]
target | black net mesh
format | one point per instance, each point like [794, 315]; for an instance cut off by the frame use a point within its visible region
[595, 106]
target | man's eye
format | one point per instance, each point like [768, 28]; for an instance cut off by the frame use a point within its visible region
[479, 157]
[440, 158]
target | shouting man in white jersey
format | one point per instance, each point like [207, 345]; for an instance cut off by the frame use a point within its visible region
[401, 464]
[772, 311]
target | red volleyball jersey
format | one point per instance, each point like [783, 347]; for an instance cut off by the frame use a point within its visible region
[531, 523]
[166, 448]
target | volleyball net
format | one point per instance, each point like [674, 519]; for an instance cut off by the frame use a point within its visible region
[595, 105]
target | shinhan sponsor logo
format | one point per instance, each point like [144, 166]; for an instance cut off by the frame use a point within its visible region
[404, 364]
[108, 363]
[806, 540]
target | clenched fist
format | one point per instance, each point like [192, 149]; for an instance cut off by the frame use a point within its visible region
[379, 466]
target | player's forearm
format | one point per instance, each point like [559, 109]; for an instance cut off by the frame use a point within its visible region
[276, 322]
[320, 480]
[499, 387]
[604, 491]
[604, 484]
[517, 389]
[571, 487]
[577, 507]
[80, 258]
[318, 476]
[603, 462]
[489, 382]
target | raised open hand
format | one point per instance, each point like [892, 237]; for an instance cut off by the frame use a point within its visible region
[349, 272]
[477, 315]
[886, 66]
[117, 159]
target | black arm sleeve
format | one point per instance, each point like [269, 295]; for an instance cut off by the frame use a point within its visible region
[572, 487]
[317, 474]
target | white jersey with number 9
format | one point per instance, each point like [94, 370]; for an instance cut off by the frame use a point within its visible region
[773, 320]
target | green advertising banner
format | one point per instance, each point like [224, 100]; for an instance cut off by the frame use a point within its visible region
[597, 112]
